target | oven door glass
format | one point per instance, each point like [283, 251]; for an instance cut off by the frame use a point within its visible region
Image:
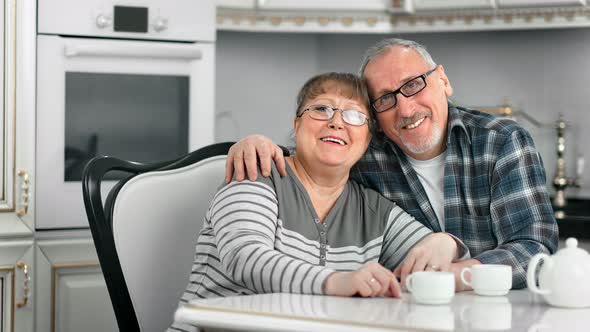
[142, 118]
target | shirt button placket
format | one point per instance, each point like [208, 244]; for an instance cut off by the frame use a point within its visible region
[323, 240]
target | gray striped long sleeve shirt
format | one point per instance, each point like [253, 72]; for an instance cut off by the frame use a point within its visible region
[264, 236]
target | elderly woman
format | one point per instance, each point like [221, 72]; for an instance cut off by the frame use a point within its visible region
[312, 231]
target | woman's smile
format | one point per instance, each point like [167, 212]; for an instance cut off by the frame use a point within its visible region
[333, 140]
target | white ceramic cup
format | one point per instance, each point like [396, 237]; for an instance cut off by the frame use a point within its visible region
[431, 287]
[489, 279]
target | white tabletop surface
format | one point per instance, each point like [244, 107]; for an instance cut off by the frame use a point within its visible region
[518, 311]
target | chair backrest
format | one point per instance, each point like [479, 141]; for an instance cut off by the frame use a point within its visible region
[146, 241]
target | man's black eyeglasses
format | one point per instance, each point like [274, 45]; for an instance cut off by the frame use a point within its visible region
[410, 88]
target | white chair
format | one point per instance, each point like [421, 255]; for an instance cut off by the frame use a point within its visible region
[146, 233]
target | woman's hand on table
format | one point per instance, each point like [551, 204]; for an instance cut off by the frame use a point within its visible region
[434, 252]
[246, 153]
[370, 280]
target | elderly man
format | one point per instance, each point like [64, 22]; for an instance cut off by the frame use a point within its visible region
[456, 170]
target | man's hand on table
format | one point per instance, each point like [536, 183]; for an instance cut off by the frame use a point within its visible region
[246, 152]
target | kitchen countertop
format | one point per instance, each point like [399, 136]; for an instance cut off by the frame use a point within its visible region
[520, 310]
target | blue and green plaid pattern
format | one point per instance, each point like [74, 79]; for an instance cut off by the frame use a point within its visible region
[494, 186]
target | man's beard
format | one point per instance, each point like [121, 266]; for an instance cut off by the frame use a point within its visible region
[424, 144]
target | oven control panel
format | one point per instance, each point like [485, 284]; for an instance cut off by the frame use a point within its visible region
[179, 20]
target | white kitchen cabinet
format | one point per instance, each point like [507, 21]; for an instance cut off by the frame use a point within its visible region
[340, 5]
[71, 291]
[401, 16]
[319, 6]
[17, 114]
[539, 3]
[17, 22]
[236, 3]
[453, 4]
[343, 5]
[310, 16]
[7, 100]
[17, 121]
[16, 285]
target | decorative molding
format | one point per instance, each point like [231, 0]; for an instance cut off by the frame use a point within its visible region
[379, 22]
[302, 22]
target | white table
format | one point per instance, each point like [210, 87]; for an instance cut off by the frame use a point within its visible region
[518, 311]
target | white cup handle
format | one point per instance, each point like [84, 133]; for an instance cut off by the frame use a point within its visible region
[463, 272]
[530, 274]
[409, 283]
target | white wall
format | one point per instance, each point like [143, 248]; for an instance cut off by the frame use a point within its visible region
[543, 72]
[257, 78]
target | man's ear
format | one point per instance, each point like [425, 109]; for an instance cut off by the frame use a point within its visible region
[445, 80]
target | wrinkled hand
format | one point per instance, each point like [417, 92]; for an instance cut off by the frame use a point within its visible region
[435, 252]
[244, 153]
[370, 280]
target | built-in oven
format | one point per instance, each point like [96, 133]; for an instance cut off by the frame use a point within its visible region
[127, 78]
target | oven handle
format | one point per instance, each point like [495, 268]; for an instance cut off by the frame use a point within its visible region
[134, 51]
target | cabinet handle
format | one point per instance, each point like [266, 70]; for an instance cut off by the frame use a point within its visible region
[25, 193]
[26, 279]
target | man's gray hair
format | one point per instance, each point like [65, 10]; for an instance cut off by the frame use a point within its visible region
[385, 45]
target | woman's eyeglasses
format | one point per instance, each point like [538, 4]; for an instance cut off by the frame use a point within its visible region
[325, 113]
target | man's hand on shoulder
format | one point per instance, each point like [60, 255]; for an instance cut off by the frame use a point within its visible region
[242, 158]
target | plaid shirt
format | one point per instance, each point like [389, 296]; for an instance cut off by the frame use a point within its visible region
[494, 189]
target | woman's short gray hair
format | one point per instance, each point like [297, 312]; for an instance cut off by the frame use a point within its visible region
[385, 45]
